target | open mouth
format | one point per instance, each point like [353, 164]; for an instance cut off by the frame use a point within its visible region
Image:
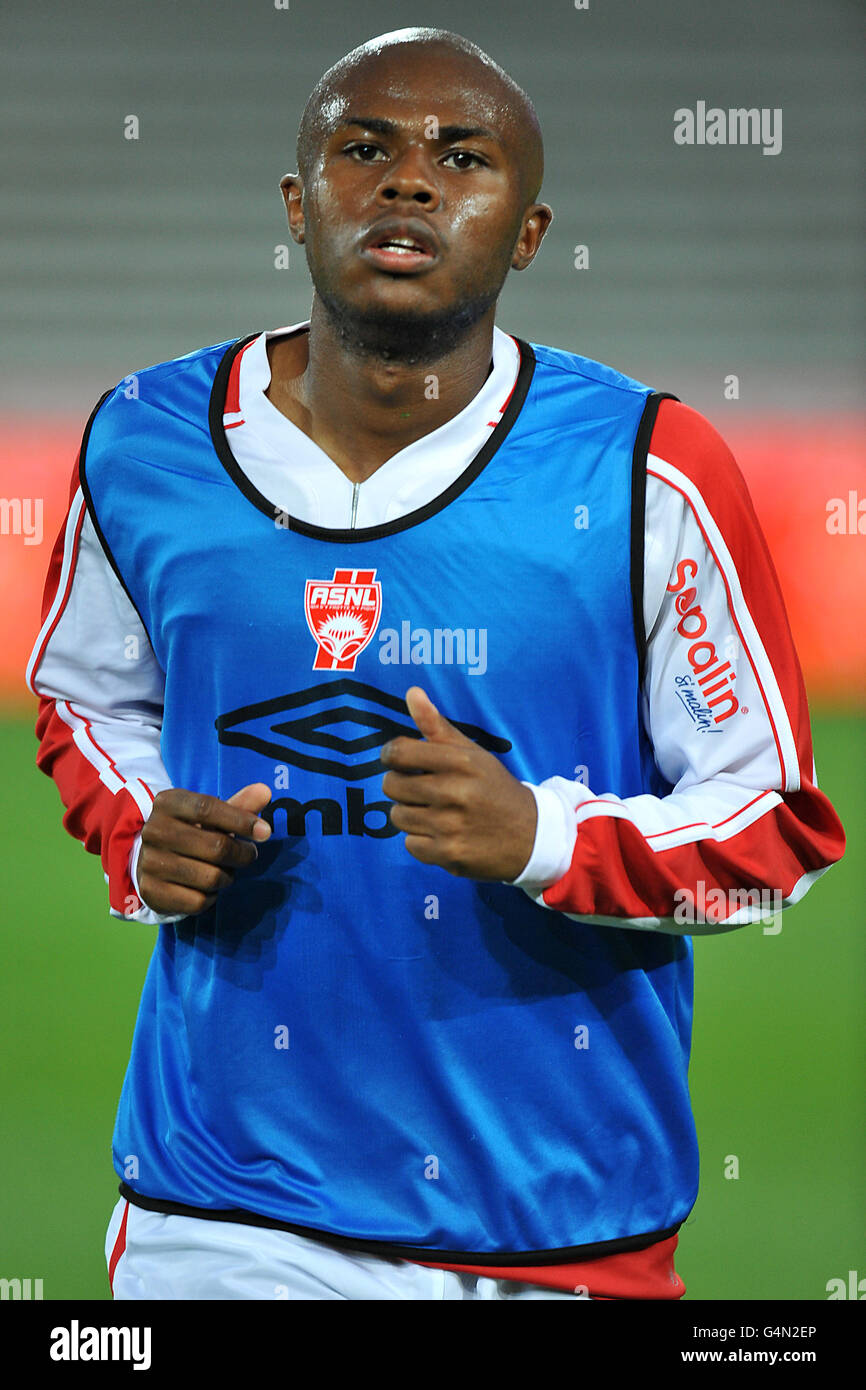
[399, 251]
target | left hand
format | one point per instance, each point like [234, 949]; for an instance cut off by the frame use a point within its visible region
[465, 811]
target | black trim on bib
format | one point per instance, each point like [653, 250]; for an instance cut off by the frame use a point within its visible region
[638, 520]
[91, 509]
[388, 528]
[569, 1254]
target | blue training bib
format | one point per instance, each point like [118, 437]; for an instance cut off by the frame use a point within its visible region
[351, 1042]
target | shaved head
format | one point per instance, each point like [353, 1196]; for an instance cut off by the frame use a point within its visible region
[419, 164]
[469, 68]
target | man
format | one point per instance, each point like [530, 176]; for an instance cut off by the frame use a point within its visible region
[433, 1045]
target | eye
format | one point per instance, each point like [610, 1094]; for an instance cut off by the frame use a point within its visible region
[465, 155]
[364, 152]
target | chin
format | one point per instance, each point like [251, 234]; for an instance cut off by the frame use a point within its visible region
[394, 328]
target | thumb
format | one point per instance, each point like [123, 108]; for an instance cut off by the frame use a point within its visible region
[432, 724]
[254, 798]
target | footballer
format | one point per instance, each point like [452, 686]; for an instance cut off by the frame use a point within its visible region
[404, 674]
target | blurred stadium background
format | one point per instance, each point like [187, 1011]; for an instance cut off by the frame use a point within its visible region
[703, 263]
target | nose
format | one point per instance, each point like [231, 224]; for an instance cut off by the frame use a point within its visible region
[409, 177]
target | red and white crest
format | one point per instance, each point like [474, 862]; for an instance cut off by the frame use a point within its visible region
[342, 614]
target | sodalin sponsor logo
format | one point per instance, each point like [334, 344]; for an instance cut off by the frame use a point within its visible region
[698, 712]
[713, 677]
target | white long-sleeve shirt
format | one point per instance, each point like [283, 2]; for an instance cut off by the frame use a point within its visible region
[744, 813]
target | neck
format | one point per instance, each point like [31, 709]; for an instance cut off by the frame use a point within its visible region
[360, 403]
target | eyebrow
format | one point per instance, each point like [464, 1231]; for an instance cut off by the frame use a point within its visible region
[446, 132]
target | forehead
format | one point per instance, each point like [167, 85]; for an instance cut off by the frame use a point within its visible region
[407, 87]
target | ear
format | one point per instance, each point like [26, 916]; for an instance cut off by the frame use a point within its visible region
[536, 221]
[292, 189]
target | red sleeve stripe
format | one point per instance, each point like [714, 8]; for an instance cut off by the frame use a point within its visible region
[58, 583]
[107, 769]
[105, 821]
[734, 814]
[667, 477]
[679, 835]
[688, 454]
[614, 873]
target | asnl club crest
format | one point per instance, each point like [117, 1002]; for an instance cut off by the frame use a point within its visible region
[342, 614]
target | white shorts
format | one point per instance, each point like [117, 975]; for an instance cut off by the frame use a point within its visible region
[155, 1256]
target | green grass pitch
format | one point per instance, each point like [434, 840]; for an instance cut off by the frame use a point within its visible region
[777, 1073]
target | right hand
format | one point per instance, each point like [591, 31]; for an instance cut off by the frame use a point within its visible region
[192, 843]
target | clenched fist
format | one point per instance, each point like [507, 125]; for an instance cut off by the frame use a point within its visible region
[459, 805]
[192, 843]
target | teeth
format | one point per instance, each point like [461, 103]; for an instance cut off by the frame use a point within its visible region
[400, 244]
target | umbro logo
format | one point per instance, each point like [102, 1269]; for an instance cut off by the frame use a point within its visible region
[335, 728]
